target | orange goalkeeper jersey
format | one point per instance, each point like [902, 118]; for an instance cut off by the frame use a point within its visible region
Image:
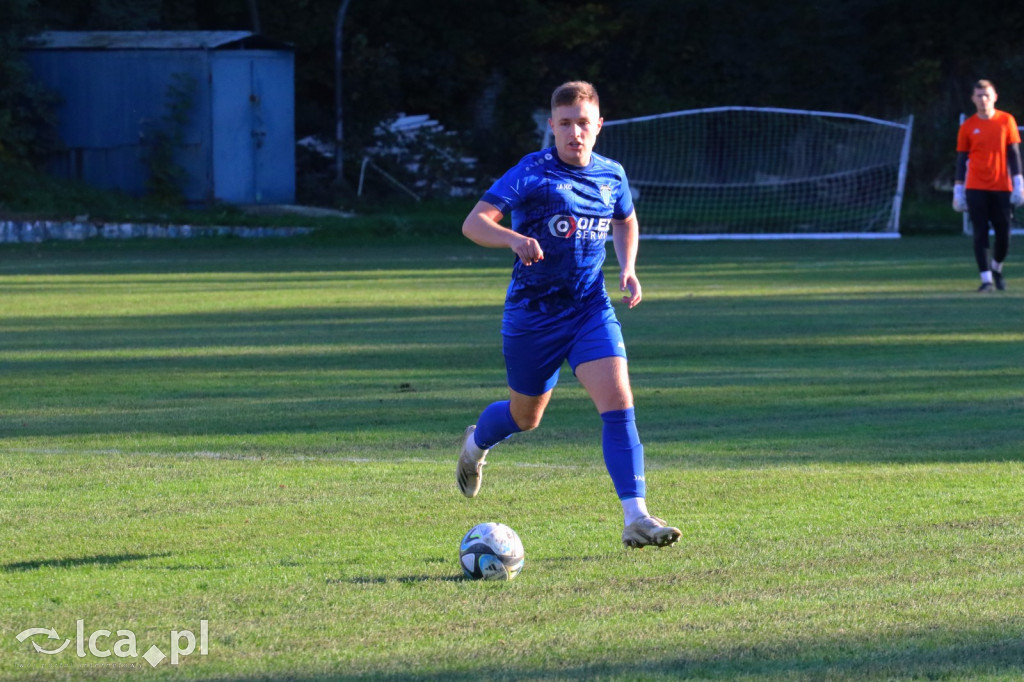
[985, 142]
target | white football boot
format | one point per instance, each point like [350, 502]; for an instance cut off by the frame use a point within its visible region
[649, 530]
[469, 470]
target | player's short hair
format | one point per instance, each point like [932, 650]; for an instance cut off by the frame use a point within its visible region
[573, 92]
[982, 84]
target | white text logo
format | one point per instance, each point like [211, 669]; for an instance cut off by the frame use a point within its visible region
[181, 643]
[583, 227]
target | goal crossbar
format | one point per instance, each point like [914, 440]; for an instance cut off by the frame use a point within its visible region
[776, 110]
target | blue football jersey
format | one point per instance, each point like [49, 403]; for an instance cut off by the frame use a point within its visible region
[568, 210]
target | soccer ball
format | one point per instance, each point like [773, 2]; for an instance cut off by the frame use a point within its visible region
[491, 551]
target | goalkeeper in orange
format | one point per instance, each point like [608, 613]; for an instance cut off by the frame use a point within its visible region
[988, 180]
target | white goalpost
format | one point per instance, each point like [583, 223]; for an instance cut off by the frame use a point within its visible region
[766, 173]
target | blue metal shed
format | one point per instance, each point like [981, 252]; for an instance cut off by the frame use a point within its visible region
[119, 89]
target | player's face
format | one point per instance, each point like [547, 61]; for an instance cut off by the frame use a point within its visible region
[575, 127]
[985, 100]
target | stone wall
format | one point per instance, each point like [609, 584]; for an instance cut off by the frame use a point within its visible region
[34, 231]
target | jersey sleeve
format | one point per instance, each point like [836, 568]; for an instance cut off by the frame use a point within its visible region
[624, 204]
[963, 138]
[508, 190]
[502, 194]
[1013, 132]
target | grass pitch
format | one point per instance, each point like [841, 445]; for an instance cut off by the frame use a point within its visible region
[261, 438]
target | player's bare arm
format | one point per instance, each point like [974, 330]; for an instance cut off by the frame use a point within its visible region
[626, 237]
[483, 226]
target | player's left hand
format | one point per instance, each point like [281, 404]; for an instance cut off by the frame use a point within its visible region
[629, 283]
[959, 199]
[1017, 195]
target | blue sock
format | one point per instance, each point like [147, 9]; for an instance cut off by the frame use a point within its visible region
[494, 425]
[623, 453]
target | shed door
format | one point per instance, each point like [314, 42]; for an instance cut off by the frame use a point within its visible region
[253, 127]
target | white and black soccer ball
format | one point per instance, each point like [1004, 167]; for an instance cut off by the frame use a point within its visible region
[491, 551]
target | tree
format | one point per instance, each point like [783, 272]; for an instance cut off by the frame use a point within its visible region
[27, 121]
[485, 68]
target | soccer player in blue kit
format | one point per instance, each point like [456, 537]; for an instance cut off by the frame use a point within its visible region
[564, 201]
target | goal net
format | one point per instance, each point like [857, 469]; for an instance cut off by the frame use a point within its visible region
[746, 171]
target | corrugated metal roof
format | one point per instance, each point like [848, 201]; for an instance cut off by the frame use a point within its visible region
[151, 40]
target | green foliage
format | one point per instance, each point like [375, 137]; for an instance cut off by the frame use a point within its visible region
[29, 194]
[25, 191]
[882, 59]
[105, 15]
[27, 119]
[929, 213]
[166, 178]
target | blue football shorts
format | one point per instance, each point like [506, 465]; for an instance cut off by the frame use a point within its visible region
[535, 348]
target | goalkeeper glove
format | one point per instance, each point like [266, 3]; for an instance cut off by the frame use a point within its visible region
[1017, 195]
[959, 199]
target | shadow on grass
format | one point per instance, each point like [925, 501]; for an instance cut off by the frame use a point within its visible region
[74, 562]
[405, 579]
[966, 655]
[889, 377]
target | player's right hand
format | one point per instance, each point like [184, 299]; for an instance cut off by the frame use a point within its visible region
[959, 199]
[529, 251]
